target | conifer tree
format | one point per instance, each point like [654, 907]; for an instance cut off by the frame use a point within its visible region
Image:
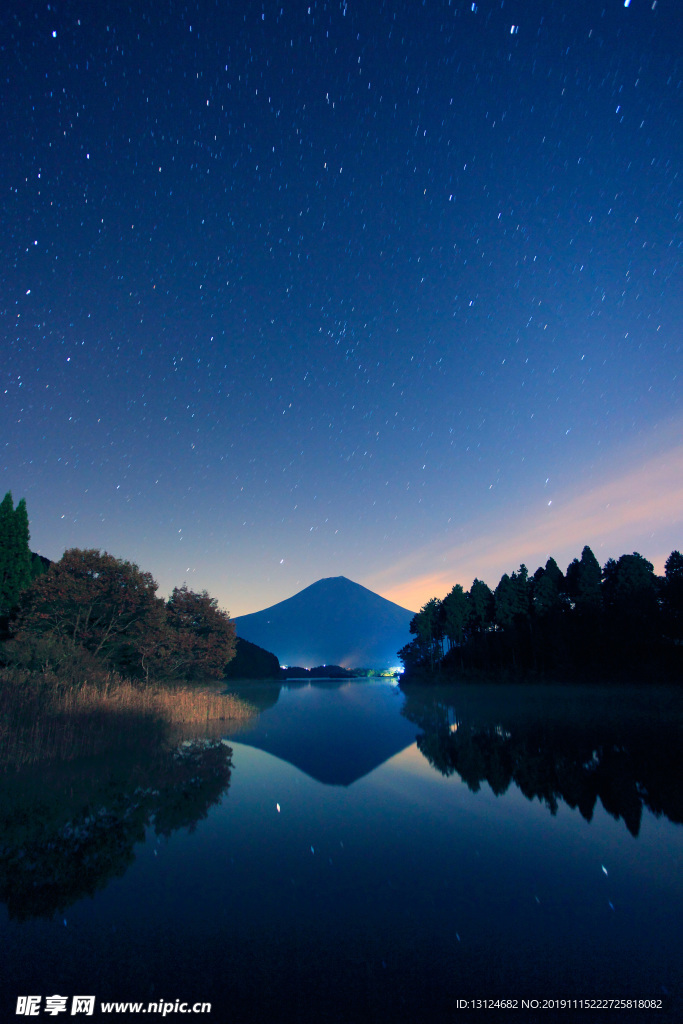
[584, 584]
[673, 594]
[512, 598]
[548, 584]
[631, 590]
[6, 524]
[454, 615]
[480, 607]
[15, 554]
[427, 627]
[23, 560]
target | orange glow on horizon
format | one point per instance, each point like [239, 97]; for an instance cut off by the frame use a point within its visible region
[614, 518]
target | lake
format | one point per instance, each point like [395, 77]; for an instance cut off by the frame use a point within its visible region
[363, 854]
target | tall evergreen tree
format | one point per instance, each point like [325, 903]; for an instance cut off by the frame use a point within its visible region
[584, 584]
[631, 590]
[15, 554]
[23, 560]
[480, 607]
[6, 529]
[548, 584]
[512, 598]
[428, 630]
[672, 594]
[454, 615]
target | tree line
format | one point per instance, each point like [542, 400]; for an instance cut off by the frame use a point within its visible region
[619, 617]
[92, 610]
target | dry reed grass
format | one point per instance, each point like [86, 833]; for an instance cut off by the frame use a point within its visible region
[41, 720]
[174, 703]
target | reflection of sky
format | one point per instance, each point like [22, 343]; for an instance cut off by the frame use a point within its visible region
[388, 870]
[295, 291]
[386, 894]
[405, 851]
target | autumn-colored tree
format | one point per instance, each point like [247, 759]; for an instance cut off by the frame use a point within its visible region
[92, 601]
[198, 637]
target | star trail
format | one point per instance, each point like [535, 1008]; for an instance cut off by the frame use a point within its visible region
[385, 290]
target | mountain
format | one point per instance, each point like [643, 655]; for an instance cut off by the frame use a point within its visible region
[333, 622]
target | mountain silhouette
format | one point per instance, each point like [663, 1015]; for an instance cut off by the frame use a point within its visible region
[333, 622]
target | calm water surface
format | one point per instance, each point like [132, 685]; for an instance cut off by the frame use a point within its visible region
[367, 856]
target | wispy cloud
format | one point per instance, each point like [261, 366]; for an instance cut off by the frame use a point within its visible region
[638, 509]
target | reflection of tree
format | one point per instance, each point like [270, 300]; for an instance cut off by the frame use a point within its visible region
[627, 765]
[66, 835]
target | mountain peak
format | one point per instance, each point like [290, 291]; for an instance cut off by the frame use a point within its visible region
[334, 621]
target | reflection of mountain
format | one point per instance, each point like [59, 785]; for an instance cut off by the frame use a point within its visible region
[67, 832]
[336, 732]
[558, 743]
[332, 622]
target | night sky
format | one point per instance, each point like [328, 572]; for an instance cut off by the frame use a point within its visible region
[383, 290]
